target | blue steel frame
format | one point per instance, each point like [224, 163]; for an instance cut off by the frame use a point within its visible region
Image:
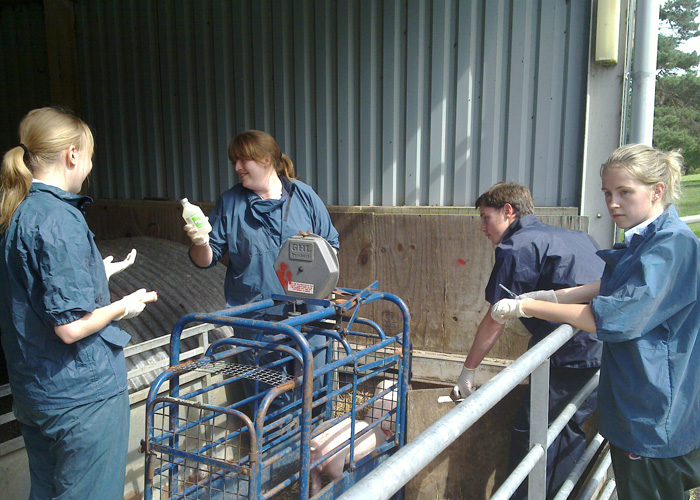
[345, 314]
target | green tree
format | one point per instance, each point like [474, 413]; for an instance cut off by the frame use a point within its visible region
[677, 106]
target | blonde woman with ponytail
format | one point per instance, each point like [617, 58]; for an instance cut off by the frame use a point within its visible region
[646, 311]
[252, 220]
[63, 346]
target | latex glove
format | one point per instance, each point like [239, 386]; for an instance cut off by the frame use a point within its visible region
[112, 268]
[201, 240]
[545, 295]
[136, 302]
[465, 384]
[506, 309]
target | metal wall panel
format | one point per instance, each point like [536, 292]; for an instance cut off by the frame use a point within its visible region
[384, 102]
[24, 82]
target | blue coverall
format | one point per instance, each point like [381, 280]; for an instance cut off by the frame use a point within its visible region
[648, 317]
[71, 400]
[535, 256]
[251, 231]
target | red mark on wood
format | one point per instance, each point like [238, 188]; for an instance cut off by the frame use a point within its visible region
[461, 262]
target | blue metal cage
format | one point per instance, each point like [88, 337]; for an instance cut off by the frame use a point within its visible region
[203, 441]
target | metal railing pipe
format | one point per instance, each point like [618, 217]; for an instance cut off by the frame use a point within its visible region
[691, 219]
[571, 408]
[580, 468]
[516, 478]
[528, 464]
[608, 490]
[396, 471]
[539, 420]
[598, 476]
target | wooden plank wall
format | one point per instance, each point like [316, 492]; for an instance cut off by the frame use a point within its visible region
[434, 258]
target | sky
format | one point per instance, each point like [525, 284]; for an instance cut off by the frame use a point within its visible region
[691, 45]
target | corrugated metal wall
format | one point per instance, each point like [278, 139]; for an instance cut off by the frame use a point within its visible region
[396, 102]
[24, 73]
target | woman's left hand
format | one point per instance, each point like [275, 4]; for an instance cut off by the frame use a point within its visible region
[506, 309]
[112, 268]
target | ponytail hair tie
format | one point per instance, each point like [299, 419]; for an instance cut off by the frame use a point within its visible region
[26, 151]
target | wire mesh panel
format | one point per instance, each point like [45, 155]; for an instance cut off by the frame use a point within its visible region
[198, 451]
[229, 369]
[369, 387]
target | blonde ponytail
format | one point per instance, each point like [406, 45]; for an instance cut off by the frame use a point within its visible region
[15, 181]
[44, 134]
[674, 168]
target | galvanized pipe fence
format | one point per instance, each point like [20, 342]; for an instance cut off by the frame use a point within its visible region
[394, 473]
[691, 219]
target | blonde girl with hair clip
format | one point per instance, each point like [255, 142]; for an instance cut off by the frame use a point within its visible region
[63, 347]
[646, 311]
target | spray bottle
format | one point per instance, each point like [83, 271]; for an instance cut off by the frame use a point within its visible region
[194, 215]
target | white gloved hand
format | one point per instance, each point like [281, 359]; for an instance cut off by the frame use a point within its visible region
[112, 268]
[136, 302]
[465, 385]
[506, 309]
[545, 295]
[201, 240]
